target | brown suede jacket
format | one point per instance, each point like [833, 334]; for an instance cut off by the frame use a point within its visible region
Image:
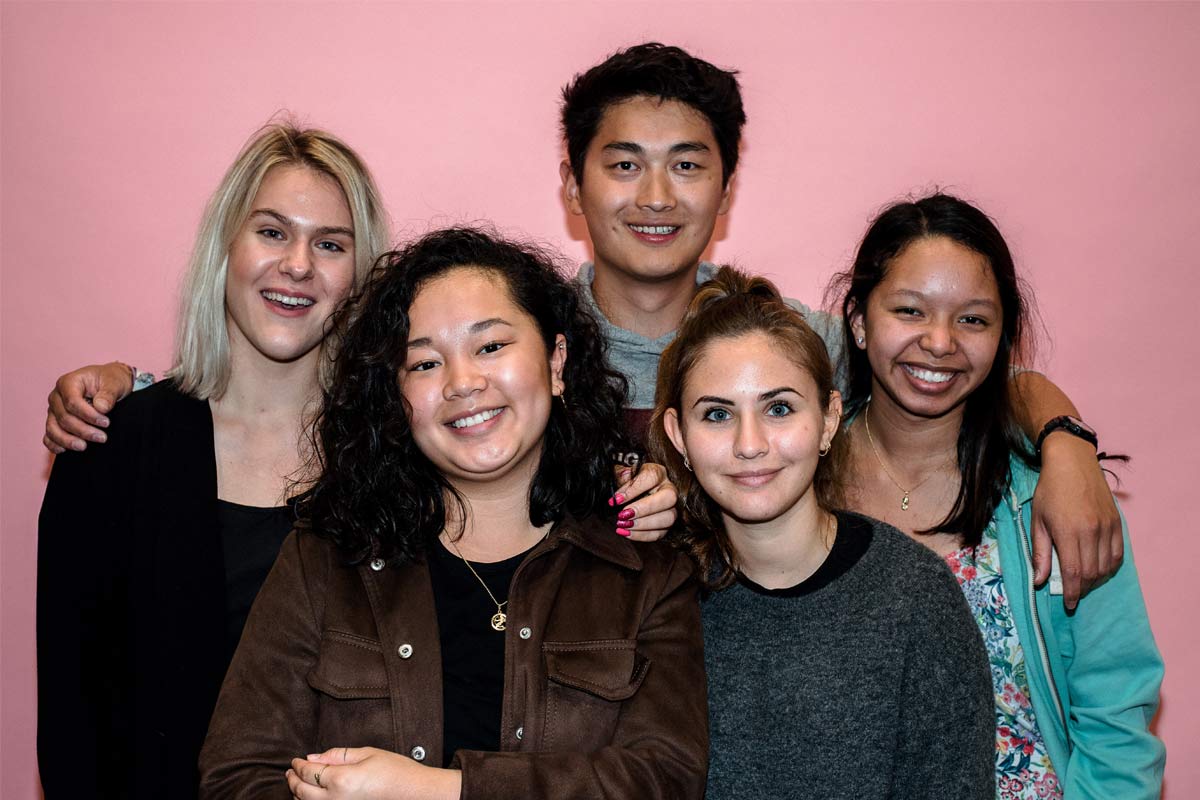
[604, 691]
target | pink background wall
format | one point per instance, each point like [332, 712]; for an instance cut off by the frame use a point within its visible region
[1075, 125]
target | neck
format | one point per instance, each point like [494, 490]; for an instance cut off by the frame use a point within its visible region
[912, 446]
[497, 523]
[647, 308]
[786, 550]
[260, 389]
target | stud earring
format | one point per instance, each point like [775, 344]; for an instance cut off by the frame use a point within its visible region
[860, 341]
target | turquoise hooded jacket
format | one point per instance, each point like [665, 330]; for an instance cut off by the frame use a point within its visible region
[1094, 675]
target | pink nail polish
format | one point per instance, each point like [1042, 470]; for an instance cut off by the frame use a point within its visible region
[622, 532]
[627, 513]
[610, 501]
[624, 523]
[620, 498]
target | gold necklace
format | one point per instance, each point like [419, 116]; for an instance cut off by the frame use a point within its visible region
[888, 472]
[499, 618]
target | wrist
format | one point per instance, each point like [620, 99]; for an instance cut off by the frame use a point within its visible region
[1064, 429]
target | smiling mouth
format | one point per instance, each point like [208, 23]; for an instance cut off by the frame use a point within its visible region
[288, 300]
[929, 375]
[654, 230]
[755, 478]
[476, 419]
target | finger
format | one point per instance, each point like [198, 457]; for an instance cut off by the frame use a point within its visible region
[651, 528]
[1089, 558]
[341, 755]
[61, 438]
[650, 477]
[1041, 551]
[1117, 544]
[1070, 571]
[302, 790]
[662, 500]
[75, 397]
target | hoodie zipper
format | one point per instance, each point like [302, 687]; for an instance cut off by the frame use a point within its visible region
[1043, 651]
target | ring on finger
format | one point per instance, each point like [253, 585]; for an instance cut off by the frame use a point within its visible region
[317, 777]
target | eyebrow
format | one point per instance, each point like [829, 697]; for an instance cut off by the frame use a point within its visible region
[637, 149]
[979, 301]
[476, 328]
[283, 220]
[769, 395]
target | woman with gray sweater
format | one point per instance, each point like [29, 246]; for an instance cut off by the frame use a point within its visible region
[843, 661]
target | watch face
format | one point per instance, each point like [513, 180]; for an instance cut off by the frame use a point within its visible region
[1081, 425]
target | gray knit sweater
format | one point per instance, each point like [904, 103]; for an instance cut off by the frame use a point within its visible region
[867, 680]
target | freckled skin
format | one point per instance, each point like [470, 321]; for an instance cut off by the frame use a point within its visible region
[293, 256]
[463, 369]
[753, 448]
[653, 187]
[938, 308]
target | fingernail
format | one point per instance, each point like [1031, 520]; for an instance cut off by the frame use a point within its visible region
[102, 421]
[622, 532]
[620, 498]
[627, 513]
[610, 501]
[624, 523]
[99, 437]
[78, 447]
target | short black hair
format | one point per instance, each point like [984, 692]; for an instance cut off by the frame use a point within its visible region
[653, 70]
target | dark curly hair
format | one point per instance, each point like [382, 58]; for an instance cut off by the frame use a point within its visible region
[731, 304]
[378, 496]
[653, 70]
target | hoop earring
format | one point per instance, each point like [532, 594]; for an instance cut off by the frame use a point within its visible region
[824, 451]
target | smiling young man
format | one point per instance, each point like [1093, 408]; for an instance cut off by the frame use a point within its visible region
[652, 137]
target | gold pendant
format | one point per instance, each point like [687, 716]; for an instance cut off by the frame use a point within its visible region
[498, 620]
[904, 502]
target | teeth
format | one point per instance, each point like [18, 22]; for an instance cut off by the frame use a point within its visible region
[660, 230]
[929, 375]
[288, 300]
[482, 416]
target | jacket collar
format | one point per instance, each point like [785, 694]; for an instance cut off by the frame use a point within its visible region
[596, 537]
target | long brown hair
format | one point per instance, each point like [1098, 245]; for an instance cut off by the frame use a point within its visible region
[730, 305]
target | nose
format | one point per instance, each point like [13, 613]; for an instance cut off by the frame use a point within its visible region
[751, 442]
[655, 191]
[297, 261]
[938, 339]
[463, 378]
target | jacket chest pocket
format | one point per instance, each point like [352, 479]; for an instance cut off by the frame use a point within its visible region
[354, 706]
[588, 682]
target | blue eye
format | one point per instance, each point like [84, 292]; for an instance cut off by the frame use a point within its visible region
[717, 415]
[780, 409]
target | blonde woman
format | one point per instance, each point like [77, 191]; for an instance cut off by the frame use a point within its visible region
[152, 549]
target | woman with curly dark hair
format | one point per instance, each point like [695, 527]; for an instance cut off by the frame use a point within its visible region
[457, 618]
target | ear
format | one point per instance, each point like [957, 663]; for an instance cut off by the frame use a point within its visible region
[726, 196]
[674, 430]
[570, 188]
[833, 419]
[558, 360]
[858, 326]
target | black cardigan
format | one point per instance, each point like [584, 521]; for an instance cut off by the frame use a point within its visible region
[131, 639]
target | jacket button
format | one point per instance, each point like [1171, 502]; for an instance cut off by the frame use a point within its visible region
[405, 651]
[526, 633]
[418, 753]
[521, 733]
[377, 564]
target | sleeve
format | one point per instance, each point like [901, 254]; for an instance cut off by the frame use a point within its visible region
[829, 327]
[660, 748]
[1113, 673]
[947, 736]
[83, 616]
[266, 714]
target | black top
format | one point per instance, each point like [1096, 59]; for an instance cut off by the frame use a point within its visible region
[250, 541]
[850, 543]
[472, 650]
[131, 625]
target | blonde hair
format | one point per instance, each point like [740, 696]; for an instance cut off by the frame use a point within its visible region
[202, 343]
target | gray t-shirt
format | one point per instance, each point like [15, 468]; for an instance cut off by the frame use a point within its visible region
[637, 356]
[867, 681]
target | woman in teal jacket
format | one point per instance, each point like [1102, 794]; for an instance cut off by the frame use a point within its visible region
[934, 315]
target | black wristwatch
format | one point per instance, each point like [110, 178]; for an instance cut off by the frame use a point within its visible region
[1071, 425]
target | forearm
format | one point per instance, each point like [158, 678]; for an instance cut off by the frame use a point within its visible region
[1036, 401]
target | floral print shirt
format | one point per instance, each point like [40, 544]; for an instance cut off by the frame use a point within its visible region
[1023, 768]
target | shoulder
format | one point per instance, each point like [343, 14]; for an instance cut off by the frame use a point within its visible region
[656, 562]
[910, 572]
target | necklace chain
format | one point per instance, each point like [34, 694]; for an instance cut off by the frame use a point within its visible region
[499, 618]
[888, 472]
